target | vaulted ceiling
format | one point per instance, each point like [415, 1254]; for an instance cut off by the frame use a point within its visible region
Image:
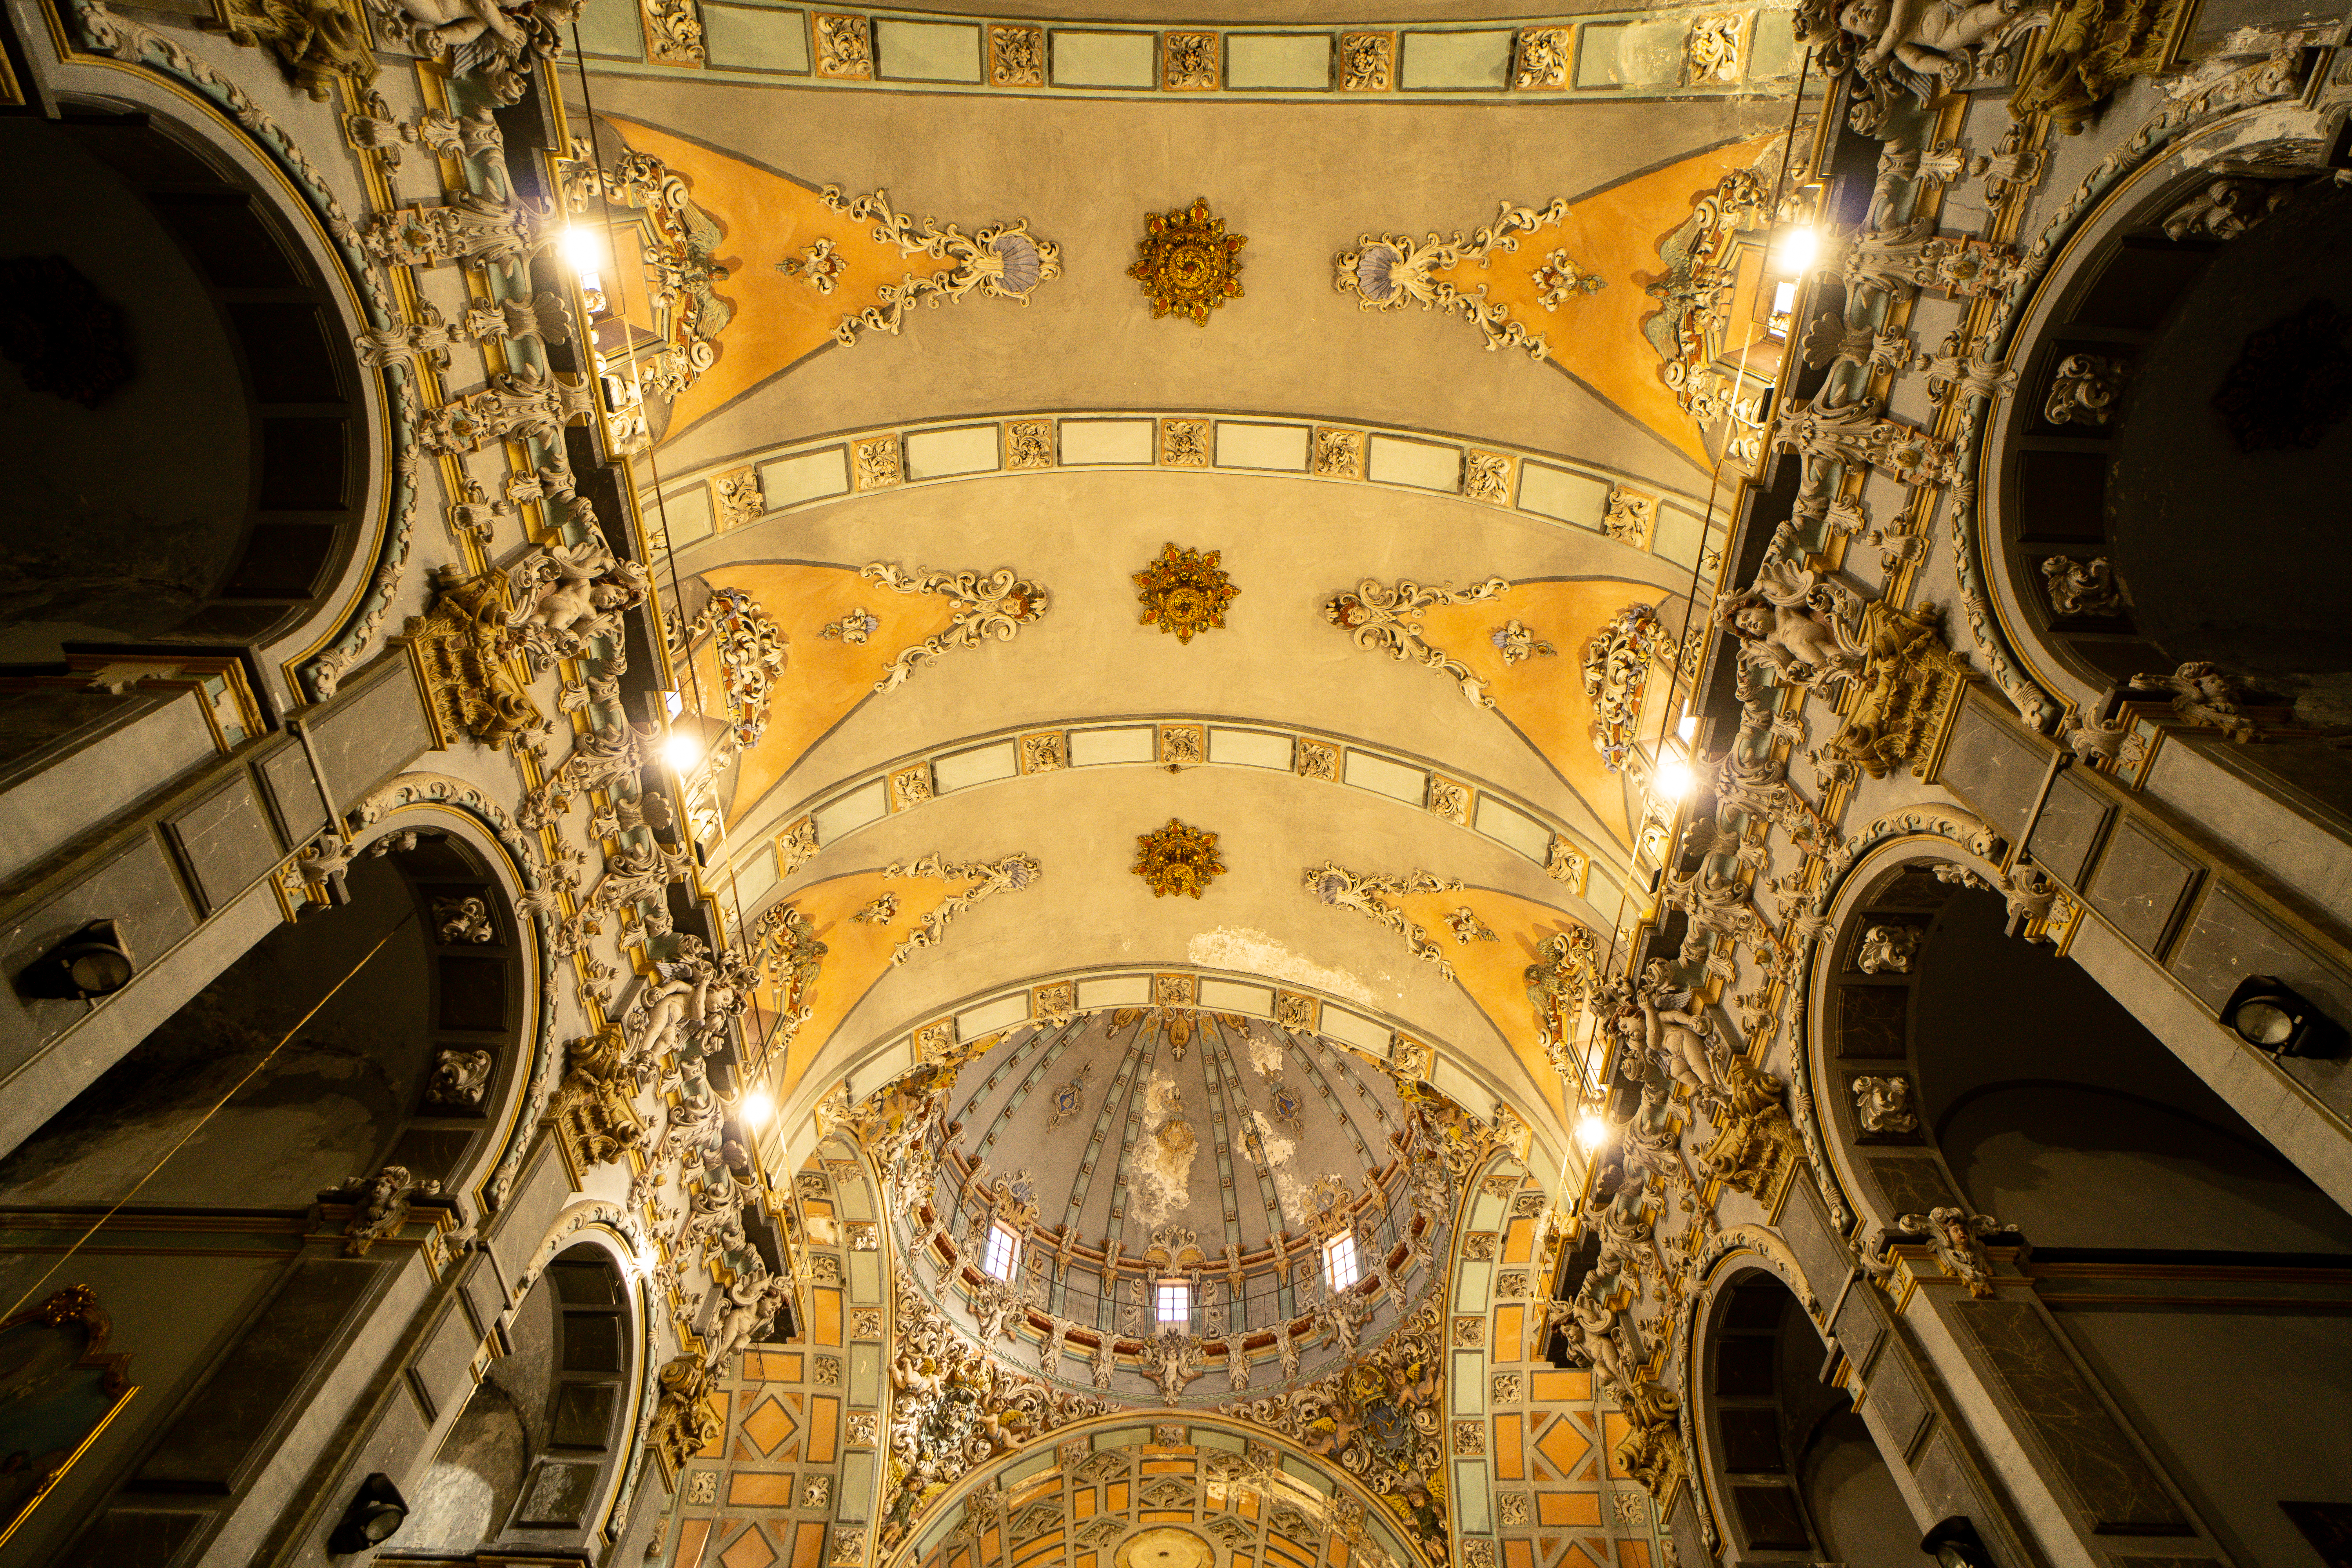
[1039, 419]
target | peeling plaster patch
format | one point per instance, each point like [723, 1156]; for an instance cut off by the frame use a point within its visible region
[1255, 953]
[1267, 1055]
[1160, 1163]
[1289, 1191]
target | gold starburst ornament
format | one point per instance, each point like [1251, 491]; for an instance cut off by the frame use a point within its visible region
[1184, 592]
[1177, 859]
[1187, 263]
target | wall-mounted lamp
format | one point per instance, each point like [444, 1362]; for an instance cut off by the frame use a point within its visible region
[373, 1518]
[2271, 1016]
[87, 964]
[1954, 1543]
[1793, 250]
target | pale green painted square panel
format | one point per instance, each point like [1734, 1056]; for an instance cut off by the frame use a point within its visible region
[943, 454]
[686, 515]
[926, 51]
[1105, 59]
[1556, 493]
[1438, 62]
[1641, 54]
[1294, 62]
[611, 29]
[746, 38]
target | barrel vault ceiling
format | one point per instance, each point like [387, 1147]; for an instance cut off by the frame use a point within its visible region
[1301, 446]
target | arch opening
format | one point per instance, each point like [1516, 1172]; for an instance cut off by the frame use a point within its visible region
[182, 394]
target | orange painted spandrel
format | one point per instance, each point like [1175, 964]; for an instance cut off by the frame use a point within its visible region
[823, 678]
[1613, 236]
[1494, 973]
[1543, 696]
[857, 954]
[765, 217]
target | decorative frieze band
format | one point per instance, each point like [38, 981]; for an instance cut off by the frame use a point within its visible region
[1682, 53]
[1175, 741]
[1538, 486]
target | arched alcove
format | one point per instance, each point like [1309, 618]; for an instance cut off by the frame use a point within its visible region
[2057, 1111]
[2194, 1273]
[1792, 1466]
[264, 1088]
[182, 403]
[533, 1450]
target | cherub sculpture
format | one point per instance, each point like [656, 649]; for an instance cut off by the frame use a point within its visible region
[1794, 621]
[1920, 46]
[566, 595]
[484, 38]
[1659, 1027]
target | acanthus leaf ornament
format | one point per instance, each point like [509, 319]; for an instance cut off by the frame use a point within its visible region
[1388, 271]
[1371, 896]
[1184, 592]
[750, 652]
[1177, 859]
[1187, 263]
[987, 879]
[955, 1406]
[1563, 976]
[1388, 620]
[1002, 261]
[988, 605]
[1616, 668]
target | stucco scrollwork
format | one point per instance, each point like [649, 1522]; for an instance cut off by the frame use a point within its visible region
[1390, 621]
[2083, 587]
[987, 604]
[1371, 894]
[1387, 271]
[1883, 1105]
[1001, 261]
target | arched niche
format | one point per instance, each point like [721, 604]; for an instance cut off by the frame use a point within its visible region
[1790, 1467]
[385, 1031]
[530, 1461]
[1240, 1491]
[1962, 1064]
[2175, 1259]
[200, 419]
[2159, 486]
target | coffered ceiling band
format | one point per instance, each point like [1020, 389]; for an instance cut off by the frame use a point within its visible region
[768, 854]
[689, 510]
[1682, 53]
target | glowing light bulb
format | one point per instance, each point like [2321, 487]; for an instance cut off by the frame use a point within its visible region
[1592, 1131]
[1673, 778]
[582, 248]
[1794, 250]
[758, 1106]
[681, 751]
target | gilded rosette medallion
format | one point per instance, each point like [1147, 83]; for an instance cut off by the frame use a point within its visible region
[1177, 859]
[1187, 263]
[1184, 592]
